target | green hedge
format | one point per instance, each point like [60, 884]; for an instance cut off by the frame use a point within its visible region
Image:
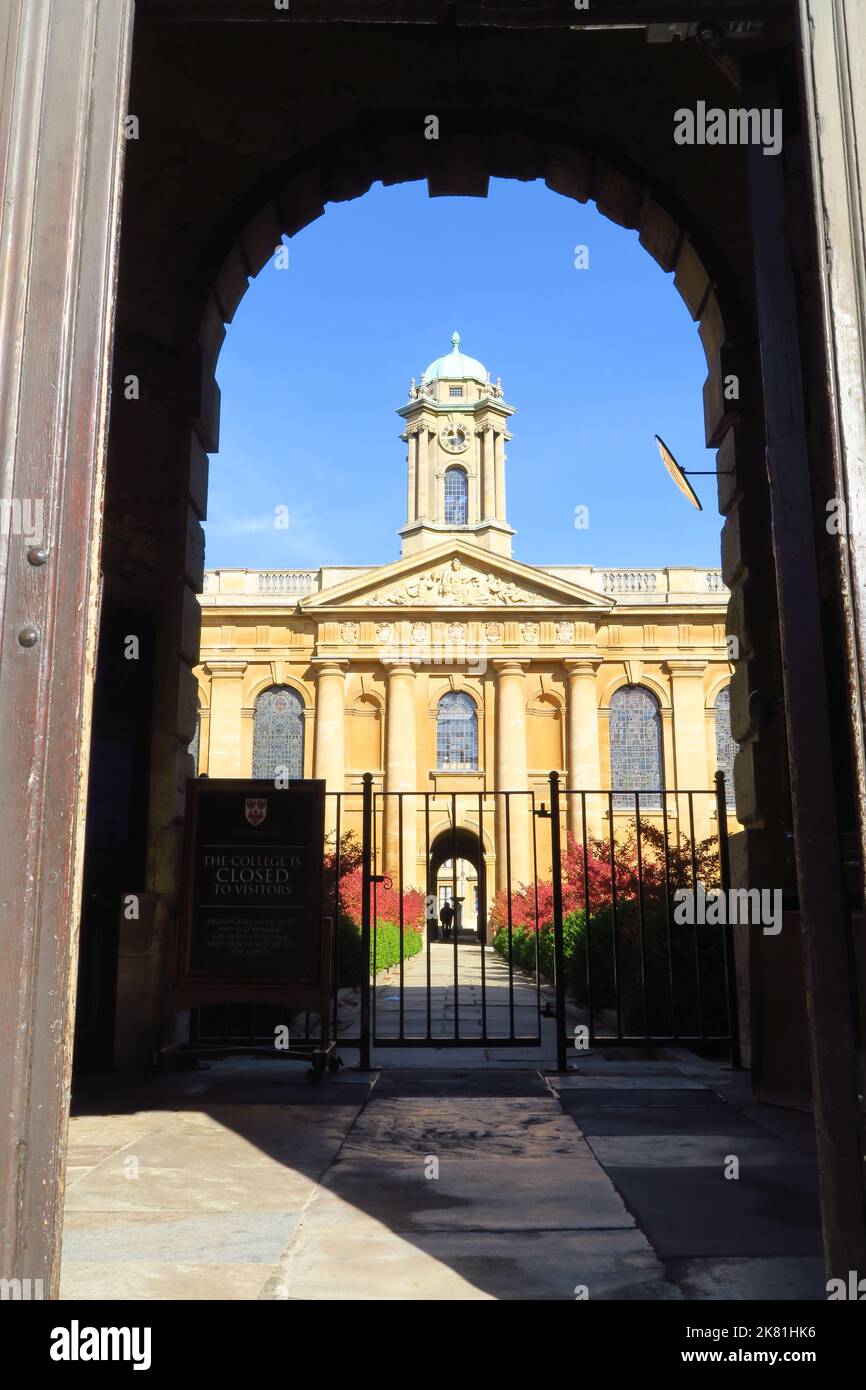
[671, 954]
[386, 942]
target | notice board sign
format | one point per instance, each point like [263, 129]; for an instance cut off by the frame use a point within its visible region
[251, 925]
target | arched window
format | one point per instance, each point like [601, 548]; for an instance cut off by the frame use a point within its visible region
[725, 746]
[278, 733]
[635, 747]
[456, 733]
[456, 497]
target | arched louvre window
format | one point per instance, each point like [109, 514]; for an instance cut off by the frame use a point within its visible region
[278, 733]
[725, 746]
[456, 733]
[635, 747]
[196, 741]
[456, 497]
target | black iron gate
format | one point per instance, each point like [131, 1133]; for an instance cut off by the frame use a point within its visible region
[568, 913]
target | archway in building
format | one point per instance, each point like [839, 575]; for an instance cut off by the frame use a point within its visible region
[457, 874]
[186, 259]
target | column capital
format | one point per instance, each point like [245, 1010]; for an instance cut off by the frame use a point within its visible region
[398, 668]
[329, 666]
[509, 667]
[582, 665]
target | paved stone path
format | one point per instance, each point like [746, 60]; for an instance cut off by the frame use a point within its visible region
[458, 1004]
[476, 1180]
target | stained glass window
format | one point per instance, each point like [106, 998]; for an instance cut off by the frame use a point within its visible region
[278, 733]
[456, 732]
[635, 747]
[725, 746]
[456, 497]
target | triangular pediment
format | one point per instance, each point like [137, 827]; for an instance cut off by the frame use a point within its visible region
[456, 576]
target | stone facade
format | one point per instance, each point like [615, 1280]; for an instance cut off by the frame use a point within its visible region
[541, 652]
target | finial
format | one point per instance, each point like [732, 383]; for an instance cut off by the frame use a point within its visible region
[455, 340]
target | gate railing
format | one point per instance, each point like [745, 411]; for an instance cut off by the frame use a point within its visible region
[574, 894]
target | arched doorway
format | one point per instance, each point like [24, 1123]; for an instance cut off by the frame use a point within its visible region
[456, 873]
[412, 72]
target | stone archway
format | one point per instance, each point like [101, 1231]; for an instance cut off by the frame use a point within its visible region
[163, 537]
[455, 845]
[470, 152]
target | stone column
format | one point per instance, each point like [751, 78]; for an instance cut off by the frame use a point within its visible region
[584, 763]
[412, 474]
[422, 472]
[488, 476]
[226, 704]
[400, 775]
[689, 772]
[499, 468]
[329, 746]
[511, 776]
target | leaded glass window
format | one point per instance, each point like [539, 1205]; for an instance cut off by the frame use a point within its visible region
[456, 733]
[456, 497]
[725, 746]
[635, 747]
[278, 733]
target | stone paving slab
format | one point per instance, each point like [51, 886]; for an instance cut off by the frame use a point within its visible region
[672, 1151]
[472, 1266]
[694, 1212]
[642, 1098]
[621, 1085]
[258, 1158]
[407, 1084]
[209, 1238]
[767, 1278]
[484, 1127]
[492, 1194]
[139, 1280]
[658, 1119]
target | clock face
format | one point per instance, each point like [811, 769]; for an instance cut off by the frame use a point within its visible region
[454, 438]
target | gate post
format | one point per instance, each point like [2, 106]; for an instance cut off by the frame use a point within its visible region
[558, 944]
[366, 886]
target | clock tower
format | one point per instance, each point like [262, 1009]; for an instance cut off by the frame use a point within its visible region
[456, 433]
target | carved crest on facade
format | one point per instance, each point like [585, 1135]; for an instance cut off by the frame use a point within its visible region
[565, 632]
[349, 632]
[454, 583]
[529, 632]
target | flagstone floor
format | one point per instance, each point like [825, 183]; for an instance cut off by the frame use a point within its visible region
[458, 1174]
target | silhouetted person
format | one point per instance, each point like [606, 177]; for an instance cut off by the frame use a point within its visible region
[446, 917]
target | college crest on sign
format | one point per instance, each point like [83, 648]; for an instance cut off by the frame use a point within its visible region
[255, 809]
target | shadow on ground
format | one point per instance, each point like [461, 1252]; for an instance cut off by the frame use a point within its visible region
[479, 1179]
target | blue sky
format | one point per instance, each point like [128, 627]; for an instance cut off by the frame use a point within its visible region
[596, 361]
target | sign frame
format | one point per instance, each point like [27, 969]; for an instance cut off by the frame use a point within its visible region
[309, 990]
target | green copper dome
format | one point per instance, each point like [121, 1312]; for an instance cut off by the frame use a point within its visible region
[455, 364]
